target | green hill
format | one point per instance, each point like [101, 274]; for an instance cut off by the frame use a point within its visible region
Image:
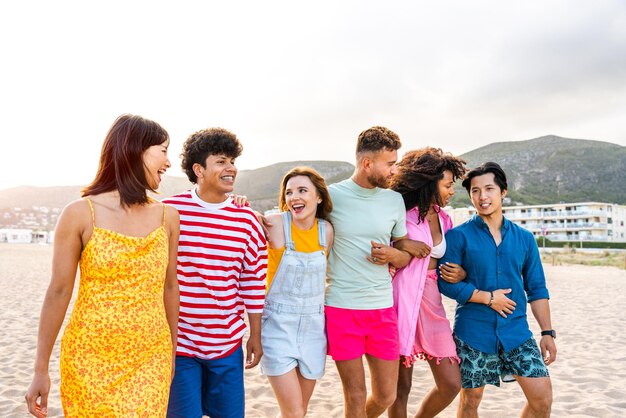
[548, 169]
[261, 186]
[553, 169]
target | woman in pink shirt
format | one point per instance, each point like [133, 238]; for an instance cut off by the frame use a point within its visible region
[425, 179]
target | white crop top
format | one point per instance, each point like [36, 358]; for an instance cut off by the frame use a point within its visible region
[440, 249]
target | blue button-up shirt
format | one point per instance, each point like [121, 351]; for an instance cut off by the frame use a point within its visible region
[513, 264]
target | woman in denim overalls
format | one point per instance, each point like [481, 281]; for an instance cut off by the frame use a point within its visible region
[293, 324]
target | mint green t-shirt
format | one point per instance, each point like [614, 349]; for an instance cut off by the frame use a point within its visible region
[359, 217]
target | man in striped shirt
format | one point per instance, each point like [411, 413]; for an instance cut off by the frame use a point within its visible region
[222, 260]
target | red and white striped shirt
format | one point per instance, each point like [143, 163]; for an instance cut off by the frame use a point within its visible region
[222, 261]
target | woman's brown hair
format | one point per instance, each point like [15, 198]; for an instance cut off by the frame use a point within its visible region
[324, 208]
[121, 165]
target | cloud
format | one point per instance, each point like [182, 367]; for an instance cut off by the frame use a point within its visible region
[301, 80]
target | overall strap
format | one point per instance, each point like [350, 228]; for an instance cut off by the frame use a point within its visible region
[321, 232]
[93, 217]
[287, 231]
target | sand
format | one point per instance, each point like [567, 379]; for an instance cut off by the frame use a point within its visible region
[589, 375]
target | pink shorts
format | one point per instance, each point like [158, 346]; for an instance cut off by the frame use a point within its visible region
[354, 332]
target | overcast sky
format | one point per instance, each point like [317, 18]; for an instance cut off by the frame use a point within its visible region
[298, 80]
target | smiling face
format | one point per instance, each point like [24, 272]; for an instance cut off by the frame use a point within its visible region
[301, 198]
[217, 178]
[486, 195]
[381, 168]
[155, 163]
[446, 188]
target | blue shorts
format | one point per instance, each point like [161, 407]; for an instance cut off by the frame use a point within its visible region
[208, 387]
[479, 369]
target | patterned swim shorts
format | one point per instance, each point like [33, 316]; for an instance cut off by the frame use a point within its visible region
[479, 369]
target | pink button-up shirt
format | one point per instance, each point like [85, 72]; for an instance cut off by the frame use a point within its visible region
[408, 282]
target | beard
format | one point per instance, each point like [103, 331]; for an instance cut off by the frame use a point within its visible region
[378, 180]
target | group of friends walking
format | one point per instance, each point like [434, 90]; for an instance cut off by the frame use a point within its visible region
[353, 270]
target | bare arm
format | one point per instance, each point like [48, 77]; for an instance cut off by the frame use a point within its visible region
[67, 249]
[171, 296]
[417, 249]
[330, 237]
[541, 312]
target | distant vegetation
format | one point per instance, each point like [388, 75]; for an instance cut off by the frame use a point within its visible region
[577, 244]
[571, 256]
[261, 186]
[549, 169]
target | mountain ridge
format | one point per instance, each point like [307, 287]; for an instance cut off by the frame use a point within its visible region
[546, 169]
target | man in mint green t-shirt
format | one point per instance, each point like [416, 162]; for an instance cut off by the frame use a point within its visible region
[360, 317]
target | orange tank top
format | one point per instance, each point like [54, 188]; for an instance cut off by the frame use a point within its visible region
[305, 241]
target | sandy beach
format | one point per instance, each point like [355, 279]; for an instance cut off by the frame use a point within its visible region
[587, 311]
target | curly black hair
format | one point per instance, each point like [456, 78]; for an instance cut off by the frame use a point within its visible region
[201, 144]
[419, 172]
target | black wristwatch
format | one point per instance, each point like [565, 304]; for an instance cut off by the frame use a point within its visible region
[549, 332]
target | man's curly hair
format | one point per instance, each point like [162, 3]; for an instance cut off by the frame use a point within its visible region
[377, 138]
[201, 144]
[419, 172]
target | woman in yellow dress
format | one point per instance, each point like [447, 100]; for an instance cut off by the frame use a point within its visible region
[117, 349]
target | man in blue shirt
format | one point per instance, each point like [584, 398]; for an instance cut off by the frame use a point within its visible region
[504, 273]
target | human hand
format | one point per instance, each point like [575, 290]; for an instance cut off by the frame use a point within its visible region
[254, 351]
[240, 200]
[420, 249]
[452, 272]
[548, 349]
[380, 254]
[501, 303]
[38, 389]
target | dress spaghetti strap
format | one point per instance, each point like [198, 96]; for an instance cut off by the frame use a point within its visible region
[164, 208]
[93, 217]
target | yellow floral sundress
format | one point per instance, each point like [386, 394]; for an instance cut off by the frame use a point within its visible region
[116, 351]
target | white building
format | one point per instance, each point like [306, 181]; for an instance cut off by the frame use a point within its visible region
[587, 221]
[16, 236]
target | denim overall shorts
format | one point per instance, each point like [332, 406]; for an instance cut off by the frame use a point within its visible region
[293, 326]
